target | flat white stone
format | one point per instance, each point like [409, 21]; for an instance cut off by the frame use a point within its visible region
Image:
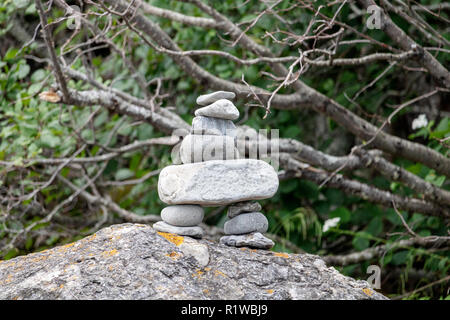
[206, 99]
[198, 250]
[251, 240]
[198, 148]
[213, 126]
[195, 232]
[217, 182]
[246, 223]
[222, 109]
[183, 215]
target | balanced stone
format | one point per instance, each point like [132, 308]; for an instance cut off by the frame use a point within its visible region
[213, 126]
[252, 240]
[183, 215]
[222, 109]
[206, 99]
[197, 148]
[246, 223]
[217, 182]
[195, 232]
[175, 154]
[242, 207]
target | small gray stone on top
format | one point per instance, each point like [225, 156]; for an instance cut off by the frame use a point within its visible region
[183, 215]
[195, 232]
[242, 207]
[251, 240]
[206, 99]
[222, 109]
[246, 223]
[213, 126]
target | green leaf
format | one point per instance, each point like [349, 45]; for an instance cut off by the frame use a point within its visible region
[288, 186]
[10, 54]
[375, 226]
[123, 174]
[38, 75]
[29, 243]
[23, 71]
[292, 131]
[48, 139]
[400, 257]
[361, 241]
[11, 254]
[342, 213]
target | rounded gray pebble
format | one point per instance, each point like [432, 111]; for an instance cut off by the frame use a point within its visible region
[247, 223]
[183, 215]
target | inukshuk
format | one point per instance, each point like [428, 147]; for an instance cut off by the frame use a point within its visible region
[213, 174]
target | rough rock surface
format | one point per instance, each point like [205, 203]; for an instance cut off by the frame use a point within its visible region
[132, 261]
[217, 182]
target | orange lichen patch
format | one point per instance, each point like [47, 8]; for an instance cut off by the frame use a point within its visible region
[205, 291]
[174, 238]
[174, 255]
[219, 273]
[281, 254]
[69, 245]
[207, 269]
[110, 253]
[269, 291]
[198, 273]
[110, 268]
[368, 291]
[8, 279]
[91, 237]
[61, 286]
[37, 259]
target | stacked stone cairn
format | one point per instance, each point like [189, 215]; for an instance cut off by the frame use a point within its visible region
[213, 174]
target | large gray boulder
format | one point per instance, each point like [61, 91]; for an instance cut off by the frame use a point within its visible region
[133, 261]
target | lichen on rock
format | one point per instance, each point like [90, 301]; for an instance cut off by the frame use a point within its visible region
[132, 261]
